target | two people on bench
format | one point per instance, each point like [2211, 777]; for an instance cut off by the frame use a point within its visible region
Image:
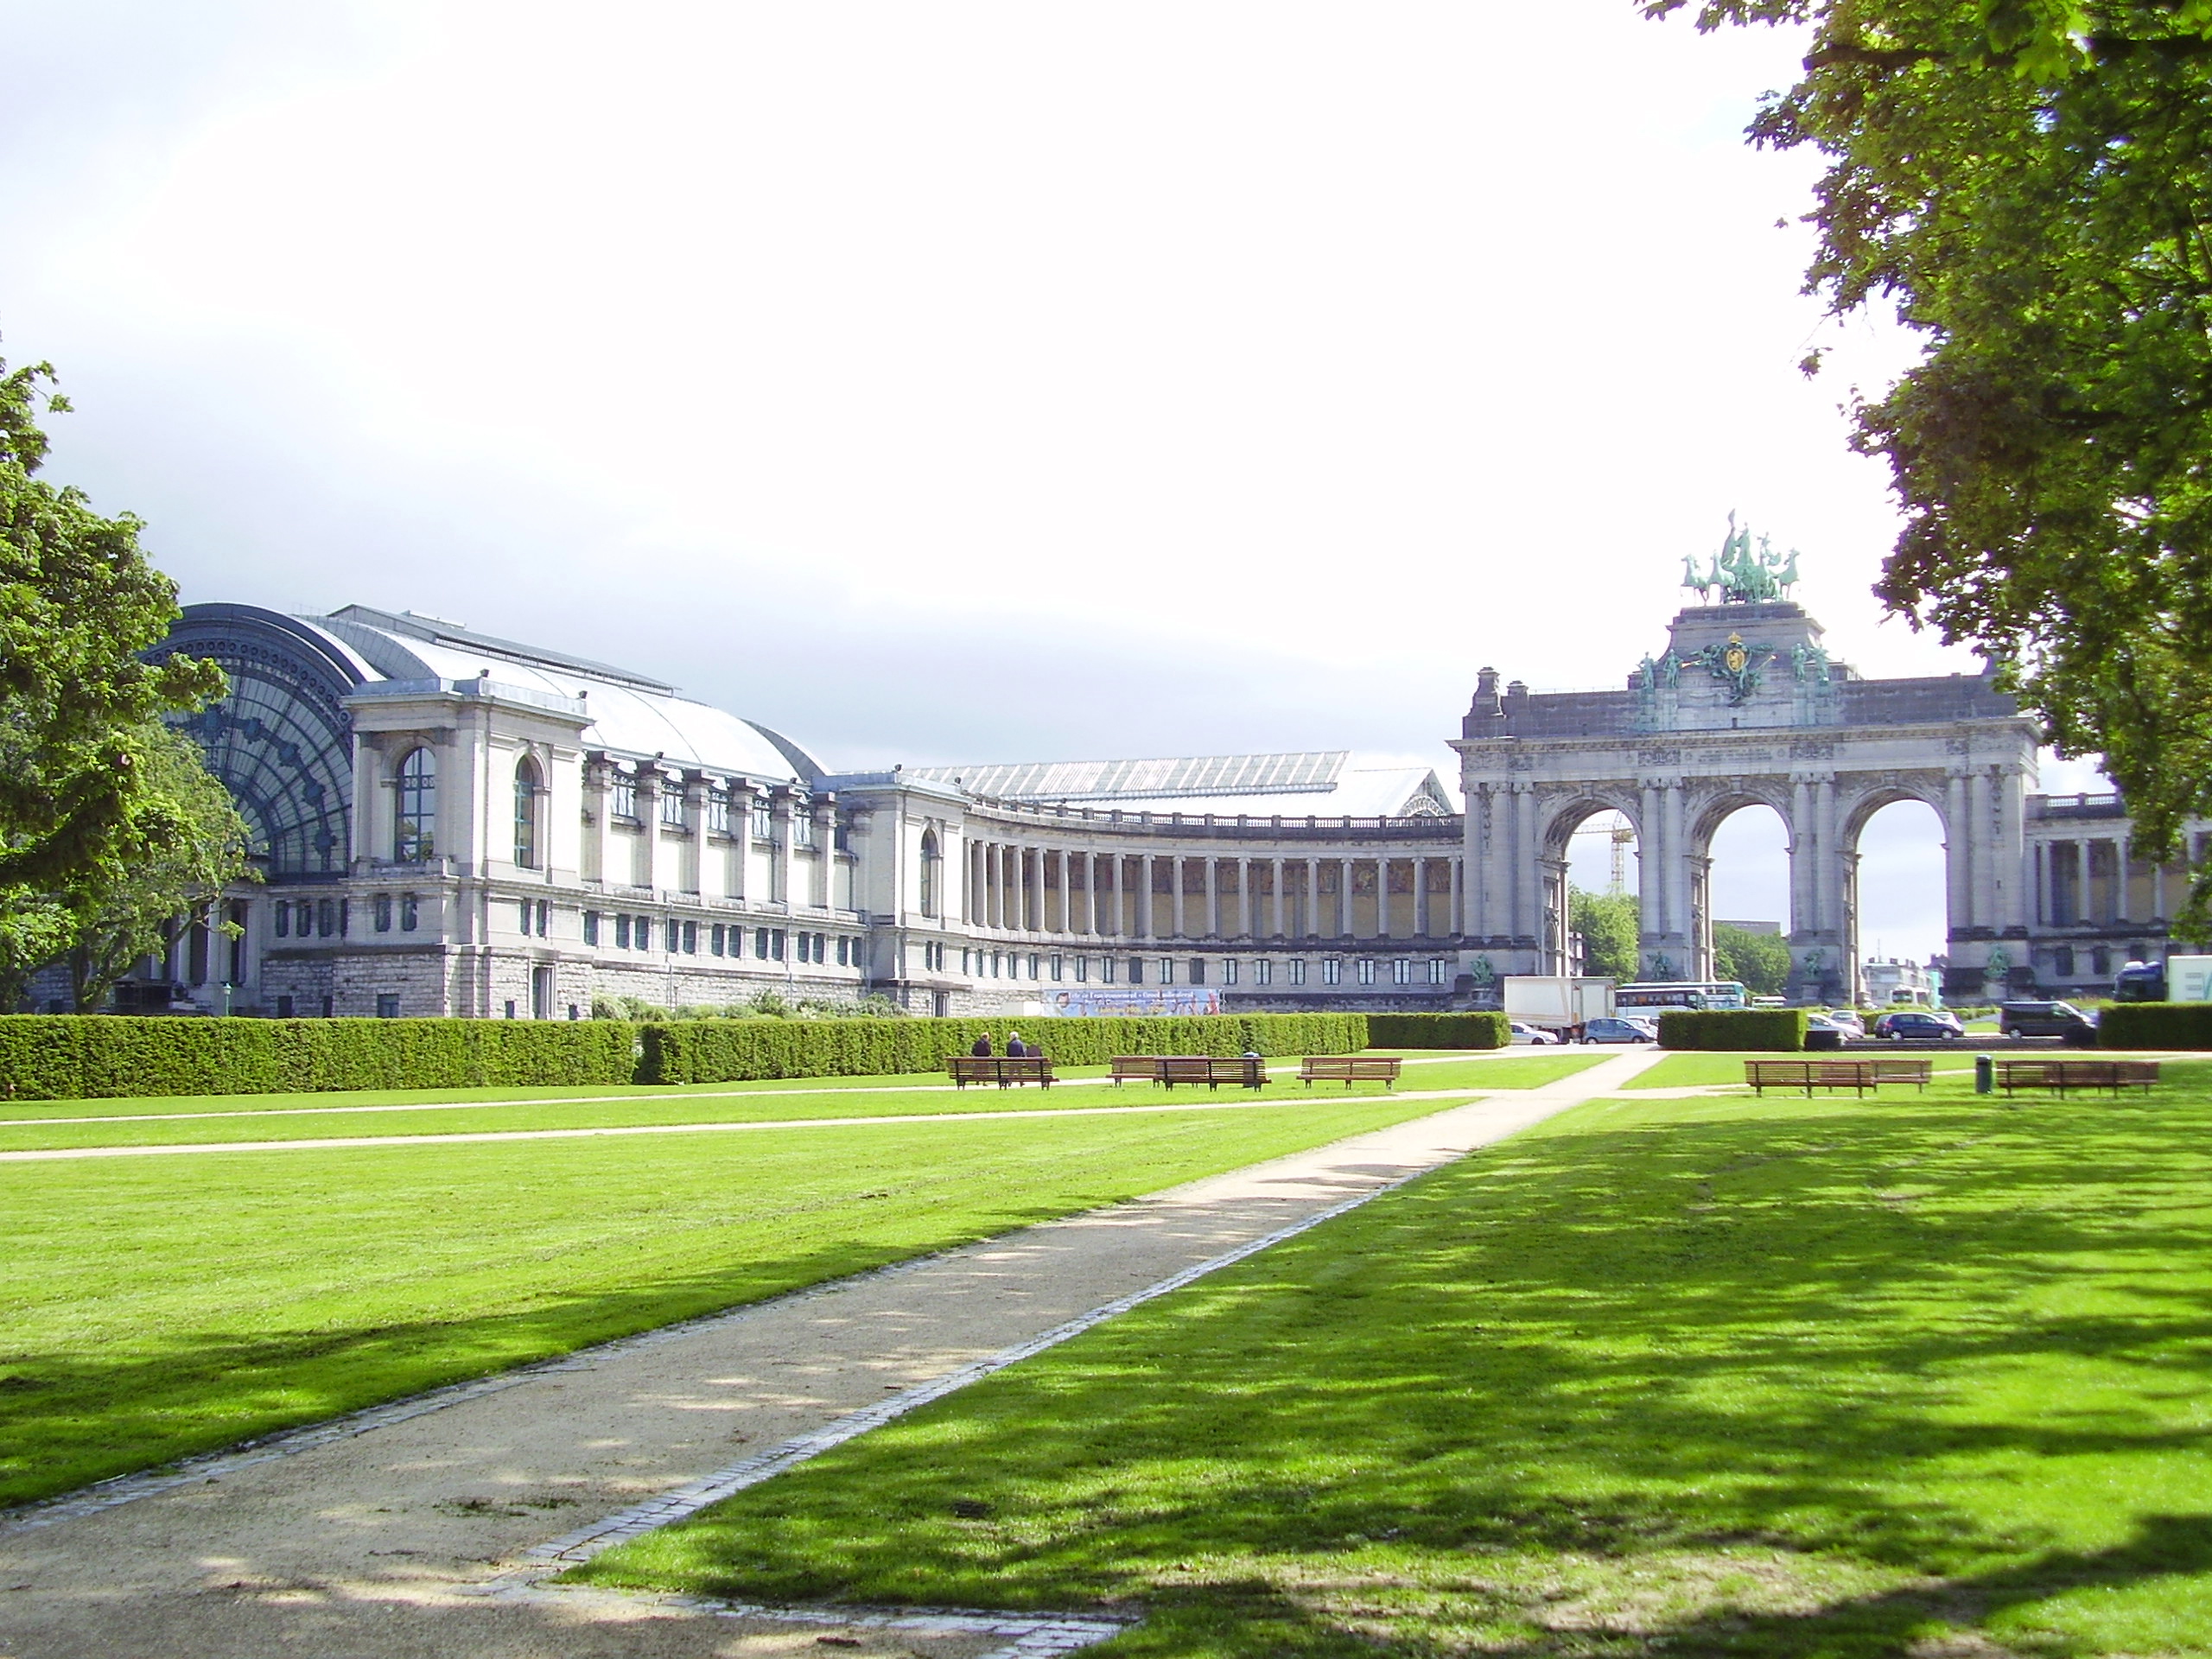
[1015, 1048]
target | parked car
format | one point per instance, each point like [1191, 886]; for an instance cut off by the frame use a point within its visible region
[1610, 1030]
[1823, 1033]
[2042, 1019]
[1918, 1023]
[1528, 1034]
[1848, 1022]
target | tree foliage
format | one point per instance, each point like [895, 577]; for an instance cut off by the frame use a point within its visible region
[2030, 182]
[78, 705]
[1607, 923]
[1760, 961]
[120, 908]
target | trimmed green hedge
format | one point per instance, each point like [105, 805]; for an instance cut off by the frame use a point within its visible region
[94, 1057]
[737, 1050]
[1439, 1031]
[2155, 1024]
[1738, 1029]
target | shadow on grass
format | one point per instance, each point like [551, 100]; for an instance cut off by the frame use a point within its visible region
[66, 1421]
[1918, 1361]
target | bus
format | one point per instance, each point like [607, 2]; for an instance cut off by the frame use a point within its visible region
[1685, 994]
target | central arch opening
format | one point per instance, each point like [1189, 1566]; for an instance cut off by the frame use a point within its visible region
[1744, 913]
[1601, 872]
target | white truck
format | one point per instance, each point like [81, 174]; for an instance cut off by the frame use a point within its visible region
[1556, 1001]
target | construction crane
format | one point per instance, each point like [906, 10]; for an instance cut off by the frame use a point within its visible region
[1623, 837]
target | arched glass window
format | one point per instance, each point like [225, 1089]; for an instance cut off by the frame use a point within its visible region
[418, 834]
[528, 789]
[931, 859]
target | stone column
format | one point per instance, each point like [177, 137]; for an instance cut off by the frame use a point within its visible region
[1345, 930]
[1177, 921]
[593, 853]
[1213, 898]
[1145, 882]
[1420, 897]
[1456, 921]
[2008, 850]
[1984, 899]
[781, 885]
[1275, 895]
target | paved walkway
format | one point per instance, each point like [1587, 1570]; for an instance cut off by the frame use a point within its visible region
[410, 1530]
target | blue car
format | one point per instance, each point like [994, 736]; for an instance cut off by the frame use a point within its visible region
[1609, 1030]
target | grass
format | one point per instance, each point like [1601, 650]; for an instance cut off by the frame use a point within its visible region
[1925, 1375]
[304, 1117]
[151, 1307]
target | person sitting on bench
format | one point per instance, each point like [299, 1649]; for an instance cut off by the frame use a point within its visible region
[1016, 1047]
[982, 1049]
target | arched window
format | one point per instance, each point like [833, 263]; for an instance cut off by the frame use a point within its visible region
[417, 834]
[931, 859]
[528, 789]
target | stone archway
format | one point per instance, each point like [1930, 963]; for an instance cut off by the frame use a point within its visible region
[1714, 807]
[1554, 905]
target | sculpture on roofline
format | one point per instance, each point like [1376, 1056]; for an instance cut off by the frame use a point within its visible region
[1741, 573]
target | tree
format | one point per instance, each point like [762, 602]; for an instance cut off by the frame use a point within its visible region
[1760, 961]
[1608, 924]
[119, 910]
[2030, 182]
[78, 603]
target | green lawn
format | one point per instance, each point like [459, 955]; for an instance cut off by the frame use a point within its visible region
[307, 1117]
[150, 1307]
[1922, 1376]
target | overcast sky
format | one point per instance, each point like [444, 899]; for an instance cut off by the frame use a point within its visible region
[949, 381]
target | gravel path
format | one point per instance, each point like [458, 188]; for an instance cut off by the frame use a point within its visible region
[411, 1530]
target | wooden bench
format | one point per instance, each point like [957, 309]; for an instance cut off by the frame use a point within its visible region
[1348, 1069]
[1900, 1068]
[2058, 1075]
[1858, 1076]
[1004, 1069]
[1213, 1070]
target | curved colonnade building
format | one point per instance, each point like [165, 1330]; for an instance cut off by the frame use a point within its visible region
[452, 823]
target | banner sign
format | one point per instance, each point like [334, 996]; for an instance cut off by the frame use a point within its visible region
[1133, 1000]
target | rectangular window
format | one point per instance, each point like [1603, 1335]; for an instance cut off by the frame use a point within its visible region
[998, 961]
[1332, 971]
[1367, 970]
[410, 912]
[383, 913]
[1081, 970]
[672, 804]
[1297, 972]
[387, 1006]
[844, 948]
[621, 932]
[714, 940]
[545, 917]
[642, 934]
[1055, 967]
[326, 917]
[690, 938]
[1229, 970]
[1262, 971]
[527, 911]
[1402, 972]
[1167, 970]
[1105, 970]
[1035, 961]
[1436, 971]
[967, 963]
[764, 821]
[623, 801]
[284, 1007]
[803, 828]
[718, 814]
[1136, 970]
[776, 943]
[591, 927]
[283, 919]
[1198, 970]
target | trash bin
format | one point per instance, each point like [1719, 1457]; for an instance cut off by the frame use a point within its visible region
[1985, 1074]
[1823, 1037]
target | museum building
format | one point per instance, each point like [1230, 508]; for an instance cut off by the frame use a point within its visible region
[447, 823]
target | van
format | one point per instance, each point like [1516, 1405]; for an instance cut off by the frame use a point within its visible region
[2042, 1019]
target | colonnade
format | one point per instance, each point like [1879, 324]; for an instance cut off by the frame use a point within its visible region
[1023, 888]
[2096, 881]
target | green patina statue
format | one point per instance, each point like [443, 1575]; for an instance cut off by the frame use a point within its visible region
[1741, 574]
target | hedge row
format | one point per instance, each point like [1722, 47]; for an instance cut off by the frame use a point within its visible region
[2155, 1024]
[1740, 1029]
[1439, 1031]
[735, 1051]
[91, 1057]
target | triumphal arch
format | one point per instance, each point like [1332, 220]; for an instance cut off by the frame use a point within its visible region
[1745, 706]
